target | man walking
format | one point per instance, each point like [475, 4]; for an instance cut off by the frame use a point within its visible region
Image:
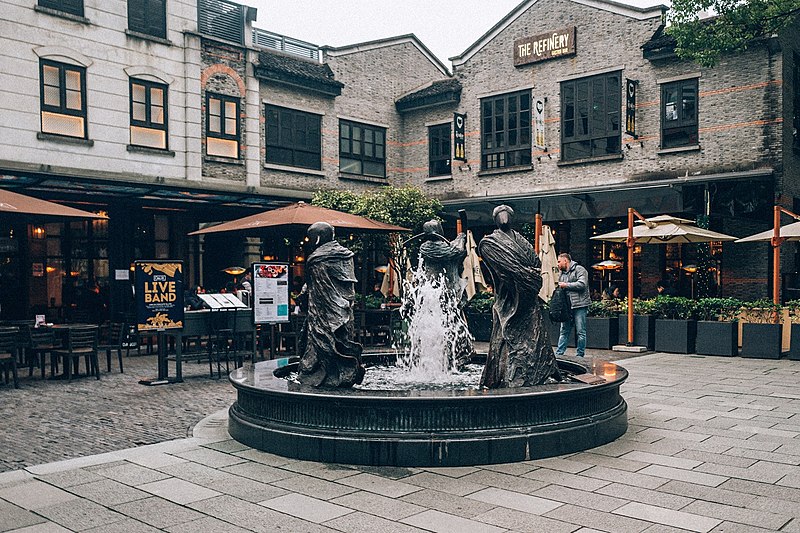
[575, 280]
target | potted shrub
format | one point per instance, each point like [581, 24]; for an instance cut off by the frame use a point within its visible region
[676, 327]
[794, 318]
[761, 332]
[479, 316]
[717, 328]
[602, 324]
[644, 324]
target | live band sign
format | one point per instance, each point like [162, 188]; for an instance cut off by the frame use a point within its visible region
[630, 107]
[459, 136]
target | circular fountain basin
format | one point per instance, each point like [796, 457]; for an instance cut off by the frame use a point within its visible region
[426, 427]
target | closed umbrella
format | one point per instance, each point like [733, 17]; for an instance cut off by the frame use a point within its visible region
[549, 257]
[472, 268]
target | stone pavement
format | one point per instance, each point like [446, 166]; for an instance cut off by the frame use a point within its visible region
[713, 445]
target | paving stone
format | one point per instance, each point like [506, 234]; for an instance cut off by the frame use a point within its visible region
[368, 502]
[263, 457]
[716, 458]
[258, 472]
[457, 471]
[775, 505]
[157, 512]
[762, 471]
[389, 472]
[729, 513]
[379, 485]
[458, 486]
[210, 458]
[448, 503]
[254, 517]
[358, 522]
[636, 479]
[580, 482]
[792, 527]
[440, 522]
[128, 525]
[580, 497]
[45, 527]
[515, 500]
[511, 469]
[205, 525]
[131, 474]
[69, 478]
[652, 497]
[330, 472]
[306, 507]
[33, 495]
[570, 466]
[108, 492]
[244, 488]
[680, 474]
[12, 516]
[664, 460]
[314, 487]
[732, 527]
[590, 518]
[79, 515]
[227, 446]
[594, 459]
[505, 481]
[670, 517]
[193, 472]
[156, 460]
[702, 492]
[178, 490]
[521, 522]
[759, 455]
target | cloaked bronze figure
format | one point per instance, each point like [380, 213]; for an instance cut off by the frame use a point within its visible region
[520, 354]
[329, 356]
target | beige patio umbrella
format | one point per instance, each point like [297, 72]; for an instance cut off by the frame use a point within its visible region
[662, 229]
[549, 257]
[472, 268]
[12, 202]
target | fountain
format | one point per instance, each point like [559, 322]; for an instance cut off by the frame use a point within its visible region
[542, 408]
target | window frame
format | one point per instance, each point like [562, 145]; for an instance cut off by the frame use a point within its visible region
[498, 149]
[796, 101]
[439, 137]
[223, 98]
[681, 123]
[62, 108]
[360, 156]
[73, 7]
[148, 123]
[147, 8]
[588, 131]
[311, 120]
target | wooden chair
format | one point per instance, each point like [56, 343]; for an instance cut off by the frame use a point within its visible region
[9, 347]
[115, 336]
[41, 341]
[81, 342]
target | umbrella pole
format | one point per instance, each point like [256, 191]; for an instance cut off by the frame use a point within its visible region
[630, 242]
[776, 255]
[538, 245]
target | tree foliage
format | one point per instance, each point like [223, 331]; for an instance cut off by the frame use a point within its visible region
[736, 25]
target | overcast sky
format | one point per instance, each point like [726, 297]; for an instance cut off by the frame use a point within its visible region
[446, 27]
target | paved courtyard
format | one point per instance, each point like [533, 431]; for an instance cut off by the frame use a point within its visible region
[712, 446]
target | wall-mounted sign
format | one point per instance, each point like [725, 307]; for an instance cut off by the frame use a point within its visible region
[459, 137]
[538, 124]
[550, 45]
[159, 295]
[270, 293]
[630, 107]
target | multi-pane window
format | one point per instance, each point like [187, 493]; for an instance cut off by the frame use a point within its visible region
[506, 130]
[590, 117]
[222, 125]
[63, 99]
[679, 114]
[362, 149]
[293, 138]
[74, 7]
[148, 17]
[439, 150]
[148, 114]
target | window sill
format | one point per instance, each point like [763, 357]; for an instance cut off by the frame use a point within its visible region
[63, 139]
[61, 14]
[362, 178]
[223, 160]
[444, 177]
[679, 149]
[146, 37]
[149, 150]
[600, 159]
[505, 170]
[297, 170]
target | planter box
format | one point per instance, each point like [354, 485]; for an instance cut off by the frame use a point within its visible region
[675, 336]
[794, 343]
[644, 330]
[761, 341]
[480, 326]
[717, 338]
[602, 332]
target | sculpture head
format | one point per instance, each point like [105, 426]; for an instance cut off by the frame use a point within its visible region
[432, 229]
[503, 215]
[319, 233]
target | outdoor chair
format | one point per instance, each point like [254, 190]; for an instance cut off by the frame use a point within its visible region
[81, 342]
[220, 342]
[9, 347]
[40, 342]
[115, 337]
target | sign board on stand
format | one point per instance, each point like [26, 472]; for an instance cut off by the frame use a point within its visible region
[271, 297]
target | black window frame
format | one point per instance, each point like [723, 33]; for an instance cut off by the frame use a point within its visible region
[223, 98]
[682, 124]
[148, 108]
[506, 130]
[73, 7]
[352, 150]
[62, 108]
[439, 150]
[148, 17]
[282, 137]
[796, 101]
[597, 134]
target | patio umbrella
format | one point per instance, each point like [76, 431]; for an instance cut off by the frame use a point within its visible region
[549, 257]
[472, 268]
[12, 202]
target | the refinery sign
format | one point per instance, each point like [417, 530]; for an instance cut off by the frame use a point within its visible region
[544, 46]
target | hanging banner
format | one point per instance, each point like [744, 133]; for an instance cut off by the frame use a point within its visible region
[270, 293]
[630, 107]
[538, 124]
[158, 287]
[459, 137]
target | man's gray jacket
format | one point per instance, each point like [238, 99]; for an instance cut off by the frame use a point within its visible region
[577, 279]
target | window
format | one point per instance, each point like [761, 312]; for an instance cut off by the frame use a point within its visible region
[222, 125]
[439, 150]
[148, 114]
[74, 7]
[590, 117]
[362, 149]
[293, 138]
[679, 114]
[506, 130]
[63, 99]
[148, 17]
[796, 104]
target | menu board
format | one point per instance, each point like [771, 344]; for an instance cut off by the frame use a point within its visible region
[270, 293]
[159, 295]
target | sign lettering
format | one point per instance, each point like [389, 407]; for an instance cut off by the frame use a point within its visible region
[630, 107]
[459, 137]
[551, 45]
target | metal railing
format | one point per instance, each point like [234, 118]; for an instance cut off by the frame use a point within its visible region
[221, 19]
[276, 41]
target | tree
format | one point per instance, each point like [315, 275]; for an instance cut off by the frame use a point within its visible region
[736, 25]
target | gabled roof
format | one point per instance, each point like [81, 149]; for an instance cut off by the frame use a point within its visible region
[381, 43]
[297, 71]
[431, 94]
[638, 13]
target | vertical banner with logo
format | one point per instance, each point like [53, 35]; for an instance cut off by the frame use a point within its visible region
[459, 137]
[538, 124]
[159, 295]
[630, 107]
[270, 293]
